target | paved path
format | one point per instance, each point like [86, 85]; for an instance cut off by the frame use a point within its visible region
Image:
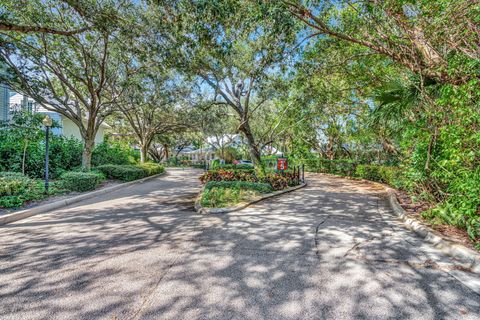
[332, 250]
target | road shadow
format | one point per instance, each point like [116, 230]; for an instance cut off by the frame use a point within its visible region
[332, 250]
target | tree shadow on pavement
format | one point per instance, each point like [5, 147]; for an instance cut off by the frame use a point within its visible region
[332, 250]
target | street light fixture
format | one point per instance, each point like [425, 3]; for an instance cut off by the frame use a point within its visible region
[47, 122]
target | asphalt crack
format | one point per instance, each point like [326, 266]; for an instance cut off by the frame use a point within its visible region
[317, 251]
[146, 299]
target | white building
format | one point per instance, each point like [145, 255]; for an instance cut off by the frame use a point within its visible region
[67, 127]
[199, 155]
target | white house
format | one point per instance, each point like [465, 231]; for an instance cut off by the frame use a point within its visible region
[198, 155]
[67, 127]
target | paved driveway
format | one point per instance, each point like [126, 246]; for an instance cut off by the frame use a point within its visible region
[332, 250]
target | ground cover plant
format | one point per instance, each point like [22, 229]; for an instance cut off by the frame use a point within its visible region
[81, 181]
[221, 194]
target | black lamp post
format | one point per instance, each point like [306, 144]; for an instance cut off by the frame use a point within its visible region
[47, 122]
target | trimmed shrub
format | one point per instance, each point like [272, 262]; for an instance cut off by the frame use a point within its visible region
[130, 172]
[228, 175]
[369, 172]
[392, 176]
[81, 181]
[122, 172]
[260, 187]
[151, 168]
[341, 167]
[16, 189]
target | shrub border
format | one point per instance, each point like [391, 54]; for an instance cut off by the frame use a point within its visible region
[23, 214]
[241, 205]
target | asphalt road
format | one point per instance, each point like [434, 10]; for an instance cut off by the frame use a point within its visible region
[332, 250]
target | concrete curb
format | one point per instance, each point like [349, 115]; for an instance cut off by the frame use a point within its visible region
[469, 257]
[23, 214]
[242, 205]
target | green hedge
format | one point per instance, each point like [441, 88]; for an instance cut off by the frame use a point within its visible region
[130, 172]
[343, 167]
[151, 168]
[81, 181]
[260, 187]
[247, 167]
[392, 176]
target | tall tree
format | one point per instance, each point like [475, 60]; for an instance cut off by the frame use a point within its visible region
[154, 106]
[232, 47]
[77, 76]
[435, 40]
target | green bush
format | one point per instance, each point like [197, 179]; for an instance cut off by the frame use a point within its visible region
[112, 153]
[122, 172]
[16, 189]
[130, 172]
[343, 167]
[228, 175]
[65, 154]
[260, 187]
[462, 207]
[369, 172]
[151, 168]
[215, 164]
[81, 181]
[392, 176]
[224, 197]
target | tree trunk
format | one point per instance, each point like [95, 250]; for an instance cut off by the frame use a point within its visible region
[24, 159]
[143, 152]
[330, 153]
[254, 151]
[165, 148]
[87, 153]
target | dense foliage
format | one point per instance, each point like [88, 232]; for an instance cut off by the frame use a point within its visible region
[384, 90]
[277, 181]
[15, 189]
[113, 153]
[81, 181]
[130, 172]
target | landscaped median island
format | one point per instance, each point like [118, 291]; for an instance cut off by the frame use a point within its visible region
[18, 190]
[221, 194]
[231, 188]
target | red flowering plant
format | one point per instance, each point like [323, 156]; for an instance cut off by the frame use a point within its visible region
[228, 175]
[278, 182]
